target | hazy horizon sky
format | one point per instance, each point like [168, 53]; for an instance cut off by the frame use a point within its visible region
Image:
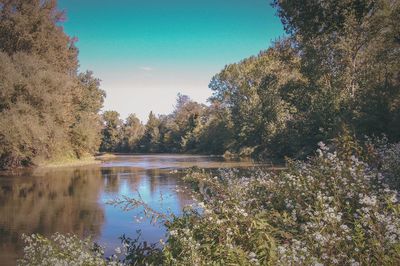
[147, 51]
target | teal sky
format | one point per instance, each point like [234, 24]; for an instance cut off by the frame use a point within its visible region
[146, 51]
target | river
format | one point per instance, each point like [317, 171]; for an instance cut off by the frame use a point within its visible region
[74, 199]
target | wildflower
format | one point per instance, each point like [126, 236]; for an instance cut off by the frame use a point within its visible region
[118, 250]
[252, 255]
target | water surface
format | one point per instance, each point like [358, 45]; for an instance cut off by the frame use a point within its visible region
[73, 199]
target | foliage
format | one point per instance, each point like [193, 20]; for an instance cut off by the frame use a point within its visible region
[61, 250]
[337, 66]
[251, 93]
[326, 211]
[70, 250]
[33, 27]
[132, 132]
[140, 253]
[191, 127]
[47, 110]
[386, 157]
[111, 132]
[151, 137]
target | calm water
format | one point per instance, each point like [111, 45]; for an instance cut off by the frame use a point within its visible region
[73, 199]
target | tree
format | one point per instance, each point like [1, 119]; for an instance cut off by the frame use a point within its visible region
[132, 132]
[187, 116]
[88, 101]
[36, 110]
[349, 55]
[216, 135]
[33, 27]
[47, 110]
[252, 93]
[111, 132]
[151, 138]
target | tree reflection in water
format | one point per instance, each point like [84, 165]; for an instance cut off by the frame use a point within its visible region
[51, 201]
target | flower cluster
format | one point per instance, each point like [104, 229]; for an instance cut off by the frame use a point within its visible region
[62, 250]
[387, 156]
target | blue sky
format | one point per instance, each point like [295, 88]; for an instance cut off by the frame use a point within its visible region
[146, 51]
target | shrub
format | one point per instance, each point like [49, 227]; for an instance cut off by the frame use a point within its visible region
[386, 156]
[61, 250]
[329, 210]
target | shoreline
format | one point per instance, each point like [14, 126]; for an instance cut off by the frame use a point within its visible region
[70, 162]
[101, 157]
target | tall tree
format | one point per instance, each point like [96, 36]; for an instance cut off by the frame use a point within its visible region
[84, 131]
[349, 55]
[47, 110]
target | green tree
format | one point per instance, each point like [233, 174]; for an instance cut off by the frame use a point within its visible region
[216, 135]
[349, 56]
[337, 68]
[47, 110]
[88, 101]
[132, 131]
[151, 138]
[252, 92]
[187, 116]
[111, 132]
[33, 27]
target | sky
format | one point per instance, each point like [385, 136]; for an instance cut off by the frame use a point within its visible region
[147, 51]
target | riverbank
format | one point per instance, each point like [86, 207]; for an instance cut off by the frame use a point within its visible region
[68, 162]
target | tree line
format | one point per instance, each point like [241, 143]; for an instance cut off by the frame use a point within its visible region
[191, 127]
[336, 70]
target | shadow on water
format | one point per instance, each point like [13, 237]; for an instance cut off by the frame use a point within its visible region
[73, 199]
[56, 201]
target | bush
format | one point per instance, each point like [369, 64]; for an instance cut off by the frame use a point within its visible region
[61, 250]
[330, 210]
[386, 156]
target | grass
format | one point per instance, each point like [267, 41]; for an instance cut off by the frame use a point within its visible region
[67, 161]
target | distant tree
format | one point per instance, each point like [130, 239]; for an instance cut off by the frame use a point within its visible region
[111, 132]
[132, 131]
[216, 135]
[151, 138]
[169, 134]
[188, 119]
